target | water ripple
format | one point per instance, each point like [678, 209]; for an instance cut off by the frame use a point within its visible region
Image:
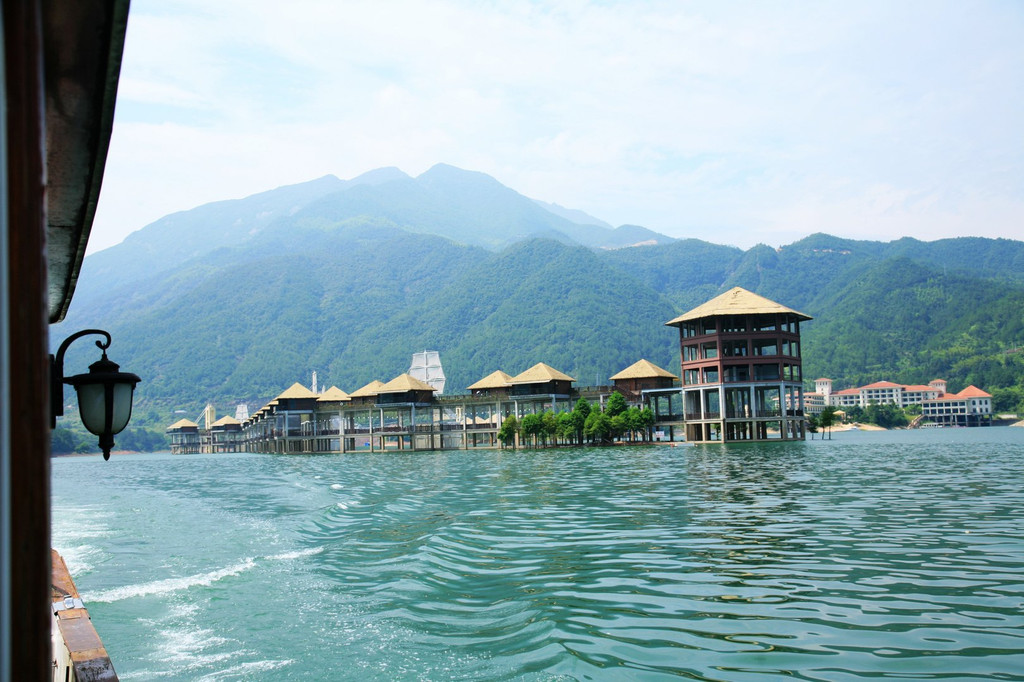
[867, 558]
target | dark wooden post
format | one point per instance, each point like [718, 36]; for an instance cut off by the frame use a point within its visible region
[26, 408]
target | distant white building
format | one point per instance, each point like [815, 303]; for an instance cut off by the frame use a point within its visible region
[970, 407]
[881, 392]
[823, 387]
[814, 403]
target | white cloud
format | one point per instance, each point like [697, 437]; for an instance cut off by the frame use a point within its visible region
[759, 121]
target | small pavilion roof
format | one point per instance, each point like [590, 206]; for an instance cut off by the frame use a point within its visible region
[496, 379]
[183, 424]
[736, 301]
[225, 421]
[403, 383]
[643, 369]
[296, 390]
[540, 373]
[333, 395]
[369, 390]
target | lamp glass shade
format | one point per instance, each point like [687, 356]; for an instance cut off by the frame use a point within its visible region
[122, 407]
[92, 406]
[92, 401]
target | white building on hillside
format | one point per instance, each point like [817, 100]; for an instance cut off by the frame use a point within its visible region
[882, 392]
[970, 407]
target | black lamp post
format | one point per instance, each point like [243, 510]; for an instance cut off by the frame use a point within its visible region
[104, 394]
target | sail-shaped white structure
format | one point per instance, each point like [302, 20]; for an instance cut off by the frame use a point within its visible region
[426, 367]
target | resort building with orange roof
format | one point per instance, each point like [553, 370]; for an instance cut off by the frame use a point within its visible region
[880, 392]
[970, 407]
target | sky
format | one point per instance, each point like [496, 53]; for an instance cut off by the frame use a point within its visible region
[735, 122]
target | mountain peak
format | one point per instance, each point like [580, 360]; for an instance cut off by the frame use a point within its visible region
[448, 175]
[379, 176]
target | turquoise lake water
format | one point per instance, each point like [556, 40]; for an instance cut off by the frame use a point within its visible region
[873, 555]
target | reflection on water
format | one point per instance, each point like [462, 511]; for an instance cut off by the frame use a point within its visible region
[872, 555]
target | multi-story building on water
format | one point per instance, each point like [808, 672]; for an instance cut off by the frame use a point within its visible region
[741, 366]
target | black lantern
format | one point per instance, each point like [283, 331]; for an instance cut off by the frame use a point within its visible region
[104, 394]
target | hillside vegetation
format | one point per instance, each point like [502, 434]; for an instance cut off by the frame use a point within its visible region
[234, 301]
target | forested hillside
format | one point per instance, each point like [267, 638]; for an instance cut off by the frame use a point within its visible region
[234, 301]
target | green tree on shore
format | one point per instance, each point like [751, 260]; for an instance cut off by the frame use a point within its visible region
[812, 425]
[509, 429]
[827, 419]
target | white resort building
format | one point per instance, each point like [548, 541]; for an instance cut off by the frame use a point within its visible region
[970, 407]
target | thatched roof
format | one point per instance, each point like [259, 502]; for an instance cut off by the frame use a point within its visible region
[295, 391]
[540, 373]
[368, 391]
[183, 424]
[643, 369]
[225, 421]
[404, 383]
[333, 395]
[496, 379]
[736, 301]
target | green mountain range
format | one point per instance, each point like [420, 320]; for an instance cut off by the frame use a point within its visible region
[233, 301]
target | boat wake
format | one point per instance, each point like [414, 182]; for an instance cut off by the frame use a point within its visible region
[169, 585]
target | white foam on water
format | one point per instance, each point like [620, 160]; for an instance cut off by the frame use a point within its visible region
[183, 648]
[141, 675]
[80, 559]
[72, 529]
[246, 668]
[169, 585]
[297, 554]
[336, 486]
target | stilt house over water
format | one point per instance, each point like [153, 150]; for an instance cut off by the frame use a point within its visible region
[741, 365]
[741, 382]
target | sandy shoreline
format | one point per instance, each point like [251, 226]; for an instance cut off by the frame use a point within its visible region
[855, 426]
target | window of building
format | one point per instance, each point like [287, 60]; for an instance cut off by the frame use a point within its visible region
[765, 346]
[691, 376]
[688, 329]
[764, 323]
[766, 372]
[732, 324]
[734, 349]
[709, 350]
[690, 353]
[708, 325]
[737, 373]
[710, 375]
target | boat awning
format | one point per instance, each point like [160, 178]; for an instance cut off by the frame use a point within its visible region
[83, 43]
